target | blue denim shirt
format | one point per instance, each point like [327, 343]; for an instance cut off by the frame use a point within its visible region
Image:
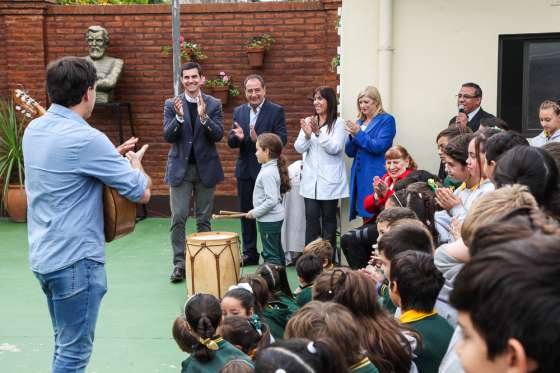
[66, 163]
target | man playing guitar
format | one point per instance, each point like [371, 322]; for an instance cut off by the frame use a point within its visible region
[66, 164]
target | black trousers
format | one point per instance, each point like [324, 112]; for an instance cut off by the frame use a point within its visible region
[320, 220]
[356, 245]
[248, 226]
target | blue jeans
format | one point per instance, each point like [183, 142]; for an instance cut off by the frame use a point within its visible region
[73, 296]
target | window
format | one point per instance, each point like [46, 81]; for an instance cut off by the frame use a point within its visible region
[528, 73]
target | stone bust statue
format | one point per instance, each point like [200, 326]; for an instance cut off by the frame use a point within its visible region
[108, 68]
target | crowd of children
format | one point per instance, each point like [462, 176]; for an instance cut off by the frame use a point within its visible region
[458, 273]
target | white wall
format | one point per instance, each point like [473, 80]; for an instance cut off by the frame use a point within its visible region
[437, 48]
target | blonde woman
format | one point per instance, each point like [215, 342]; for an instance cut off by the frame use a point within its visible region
[369, 137]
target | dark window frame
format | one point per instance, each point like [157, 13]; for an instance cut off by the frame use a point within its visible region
[515, 44]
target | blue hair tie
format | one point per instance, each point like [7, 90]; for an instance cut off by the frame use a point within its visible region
[255, 322]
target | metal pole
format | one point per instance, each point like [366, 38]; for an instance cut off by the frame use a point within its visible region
[176, 32]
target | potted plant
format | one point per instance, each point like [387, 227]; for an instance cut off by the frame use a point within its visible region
[12, 126]
[189, 51]
[222, 87]
[256, 48]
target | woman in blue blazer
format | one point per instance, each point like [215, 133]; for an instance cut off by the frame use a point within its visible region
[369, 138]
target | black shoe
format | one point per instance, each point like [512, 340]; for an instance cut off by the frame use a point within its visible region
[177, 275]
[249, 261]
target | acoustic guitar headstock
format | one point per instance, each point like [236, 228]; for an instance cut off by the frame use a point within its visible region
[26, 104]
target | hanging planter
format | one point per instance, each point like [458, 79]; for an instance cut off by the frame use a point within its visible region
[221, 93]
[255, 56]
[222, 87]
[256, 49]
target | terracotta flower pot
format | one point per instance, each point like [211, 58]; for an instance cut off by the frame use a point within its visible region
[256, 56]
[15, 202]
[221, 93]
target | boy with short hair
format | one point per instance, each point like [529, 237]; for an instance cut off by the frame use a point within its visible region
[308, 267]
[509, 316]
[400, 238]
[415, 285]
[323, 249]
[389, 216]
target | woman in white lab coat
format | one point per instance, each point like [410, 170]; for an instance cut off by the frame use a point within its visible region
[324, 180]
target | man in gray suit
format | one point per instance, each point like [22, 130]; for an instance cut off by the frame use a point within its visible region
[192, 122]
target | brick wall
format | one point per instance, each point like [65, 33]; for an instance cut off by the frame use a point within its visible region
[306, 40]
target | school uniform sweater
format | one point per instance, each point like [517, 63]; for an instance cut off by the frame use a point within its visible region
[225, 353]
[277, 313]
[436, 334]
[267, 200]
[467, 196]
[364, 366]
[542, 138]
[305, 295]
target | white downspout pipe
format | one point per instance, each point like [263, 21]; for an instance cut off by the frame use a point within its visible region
[385, 52]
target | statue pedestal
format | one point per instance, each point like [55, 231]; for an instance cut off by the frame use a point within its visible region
[116, 108]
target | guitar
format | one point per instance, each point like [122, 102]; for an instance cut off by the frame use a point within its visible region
[119, 213]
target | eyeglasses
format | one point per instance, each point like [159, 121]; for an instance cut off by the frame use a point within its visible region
[466, 97]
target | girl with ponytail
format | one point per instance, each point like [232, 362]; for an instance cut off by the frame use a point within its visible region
[272, 182]
[195, 333]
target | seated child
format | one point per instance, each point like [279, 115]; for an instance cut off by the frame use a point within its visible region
[399, 239]
[195, 333]
[549, 116]
[308, 267]
[281, 305]
[509, 316]
[388, 344]
[246, 333]
[493, 122]
[300, 356]
[455, 204]
[442, 140]
[323, 249]
[329, 320]
[415, 285]
[497, 145]
[238, 301]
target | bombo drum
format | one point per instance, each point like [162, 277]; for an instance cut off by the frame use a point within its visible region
[213, 262]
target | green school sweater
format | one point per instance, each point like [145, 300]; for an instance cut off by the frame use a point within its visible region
[436, 334]
[277, 313]
[364, 366]
[304, 295]
[225, 353]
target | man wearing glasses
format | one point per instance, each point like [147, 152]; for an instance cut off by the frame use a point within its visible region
[468, 104]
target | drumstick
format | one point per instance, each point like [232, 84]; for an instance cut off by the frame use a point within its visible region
[225, 212]
[230, 216]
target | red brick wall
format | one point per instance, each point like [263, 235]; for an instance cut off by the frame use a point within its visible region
[3, 77]
[306, 40]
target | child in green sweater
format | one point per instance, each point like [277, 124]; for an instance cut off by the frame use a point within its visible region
[415, 285]
[308, 267]
[195, 333]
[281, 304]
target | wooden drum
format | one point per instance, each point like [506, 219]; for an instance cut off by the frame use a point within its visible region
[213, 262]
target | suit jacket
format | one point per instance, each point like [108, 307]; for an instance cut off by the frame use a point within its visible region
[271, 119]
[204, 139]
[474, 123]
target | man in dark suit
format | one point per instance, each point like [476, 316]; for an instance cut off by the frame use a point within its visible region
[258, 116]
[192, 122]
[468, 102]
